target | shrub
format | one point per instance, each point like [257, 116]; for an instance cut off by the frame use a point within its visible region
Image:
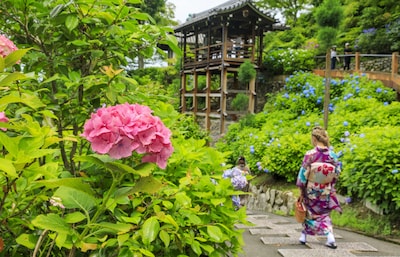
[240, 102]
[246, 72]
[287, 61]
[275, 140]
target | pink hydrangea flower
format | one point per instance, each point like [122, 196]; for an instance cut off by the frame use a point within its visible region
[6, 46]
[119, 130]
[3, 118]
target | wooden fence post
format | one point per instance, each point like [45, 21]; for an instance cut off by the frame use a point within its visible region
[357, 62]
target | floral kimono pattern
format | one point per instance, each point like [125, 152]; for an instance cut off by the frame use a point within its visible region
[317, 177]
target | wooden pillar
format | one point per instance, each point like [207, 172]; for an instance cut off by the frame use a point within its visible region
[195, 86]
[208, 99]
[253, 43]
[224, 93]
[395, 72]
[357, 62]
[252, 95]
[224, 42]
[260, 47]
[327, 88]
[224, 80]
[395, 64]
[183, 92]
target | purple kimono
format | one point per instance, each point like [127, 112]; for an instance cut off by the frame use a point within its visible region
[320, 199]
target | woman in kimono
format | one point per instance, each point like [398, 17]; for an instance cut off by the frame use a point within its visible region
[316, 180]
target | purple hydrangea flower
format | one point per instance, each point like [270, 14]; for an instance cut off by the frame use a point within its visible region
[239, 182]
[236, 172]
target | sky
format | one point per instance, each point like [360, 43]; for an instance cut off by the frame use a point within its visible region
[184, 7]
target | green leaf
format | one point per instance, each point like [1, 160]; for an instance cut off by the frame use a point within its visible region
[74, 217]
[76, 183]
[215, 233]
[52, 222]
[10, 143]
[80, 43]
[150, 230]
[27, 240]
[119, 228]
[164, 236]
[71, 22]
[143, 170]
[2, 64]
[196, 247]
[10, 78]
[8, 167]
[28, 99]
[147, 185]
[74, 198]
[14, 57]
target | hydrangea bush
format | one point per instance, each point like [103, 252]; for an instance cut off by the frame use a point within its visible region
[135, 183]
[277, 138]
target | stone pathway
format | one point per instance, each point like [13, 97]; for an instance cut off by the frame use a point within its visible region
[279, 237]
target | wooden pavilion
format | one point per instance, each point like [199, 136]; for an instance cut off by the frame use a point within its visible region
[214, 44]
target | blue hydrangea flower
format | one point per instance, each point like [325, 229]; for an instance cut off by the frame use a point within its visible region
[362, 135]
[266, 170]
[395, 171]
[308, 124]
[345, 123]
[346, 133]
[379, 90]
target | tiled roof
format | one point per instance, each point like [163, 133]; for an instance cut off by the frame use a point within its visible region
[226, 7]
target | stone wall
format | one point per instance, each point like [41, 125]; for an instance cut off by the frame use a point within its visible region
[381, 65]
[266, 199]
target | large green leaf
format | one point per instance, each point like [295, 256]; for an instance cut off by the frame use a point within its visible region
[27, 99]
[150, 230]
[15, 56]
[27, 240]
[118, 228]
[10, 143]
[74, 198]
[74, 217]
[215, 233]
[52, 222]
[10, 78]
[143, 169]
[76, 183]
[147, 185]
[71, 22]
[2, 64]
[8, 167]
[164, 236]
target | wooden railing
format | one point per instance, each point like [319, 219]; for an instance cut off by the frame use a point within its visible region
[381, 67]
[216, 52]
